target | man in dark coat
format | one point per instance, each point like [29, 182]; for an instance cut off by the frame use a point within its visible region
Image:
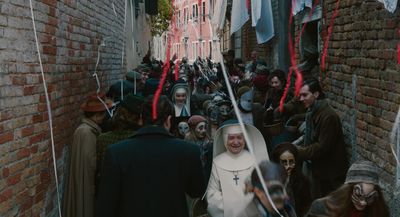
[323, 141]
[149, 174]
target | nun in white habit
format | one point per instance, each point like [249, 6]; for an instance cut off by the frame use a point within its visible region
[232, 165]
[181, 99]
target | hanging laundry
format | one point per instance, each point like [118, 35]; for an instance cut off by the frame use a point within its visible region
[262, 19]
[390, 5]
[299, 5]
[218, 17]
[239, 15]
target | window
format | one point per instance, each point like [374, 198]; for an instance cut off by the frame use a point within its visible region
[179, 19]
[193, 11]
[238, 44]
[187, 15]
[204, 12]
[193, 50]
[203, 48]
[210, 49]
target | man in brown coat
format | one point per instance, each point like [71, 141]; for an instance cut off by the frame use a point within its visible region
[80, 182]
[323, 141]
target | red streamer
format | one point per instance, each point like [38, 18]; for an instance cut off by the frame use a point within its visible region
[398, 50]
[162, 81]
[282, 101]
[291, 47]
[330, 29]
[166, 65]
[398, 53]
[176, 70]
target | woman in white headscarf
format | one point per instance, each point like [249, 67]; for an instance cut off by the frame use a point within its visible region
[181, 99]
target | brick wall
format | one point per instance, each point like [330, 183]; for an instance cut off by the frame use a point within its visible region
[363, 82]
[70, 33]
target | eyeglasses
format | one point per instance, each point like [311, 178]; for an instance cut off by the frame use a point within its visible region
[359, 195]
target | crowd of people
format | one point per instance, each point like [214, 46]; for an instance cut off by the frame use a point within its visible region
[191, 158]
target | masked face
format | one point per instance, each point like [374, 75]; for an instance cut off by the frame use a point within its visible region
[201, 130]
[180, 98]
[364, 194]
[287, 160]
[277, 193]
[224, 110]
[214, 115]
[183, 128]
[235, 143]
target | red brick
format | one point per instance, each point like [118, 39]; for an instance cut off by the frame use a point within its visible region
[52, 3]
[6, 172]
[37, 119]
[28, 90]
[6, 137]
[5, 115]
[5, 195]
[34, 149]
[51, 50]
[27, 131]
[18, 80]
[23, 153]
[13, 179]
[37, 138]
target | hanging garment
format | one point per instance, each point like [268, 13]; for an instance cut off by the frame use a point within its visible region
[299, 5]
[262, 19]
[239, 15]
[218, 18]
[390, 5]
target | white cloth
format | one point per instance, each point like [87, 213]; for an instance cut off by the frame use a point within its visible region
[255, 11]
[239, 15]
[225, 194]
[300, 5]
[178, 110]
[218, 15]
[390, 5]
[262, 19]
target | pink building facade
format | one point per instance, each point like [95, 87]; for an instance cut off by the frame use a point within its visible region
[193, 37]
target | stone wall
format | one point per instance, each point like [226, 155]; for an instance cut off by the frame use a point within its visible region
[71, 33]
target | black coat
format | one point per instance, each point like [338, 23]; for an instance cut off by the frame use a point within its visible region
[149, 175]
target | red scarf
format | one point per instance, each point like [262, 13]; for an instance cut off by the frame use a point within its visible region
[355, 213]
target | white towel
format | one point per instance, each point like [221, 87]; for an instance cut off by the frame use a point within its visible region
[239, 15]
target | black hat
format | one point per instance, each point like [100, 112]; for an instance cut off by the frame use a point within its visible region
[133, 103]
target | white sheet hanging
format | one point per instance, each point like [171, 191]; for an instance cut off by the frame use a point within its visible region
[239, 15]
[390, 5]
[218, 16]
[263, 20]
[299, 5]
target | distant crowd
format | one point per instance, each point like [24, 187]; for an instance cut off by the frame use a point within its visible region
[191, 157]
